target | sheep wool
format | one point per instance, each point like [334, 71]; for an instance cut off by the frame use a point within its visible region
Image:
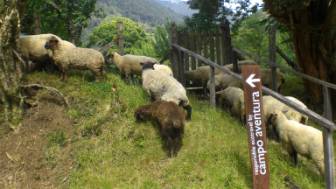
[164, 87]
[299, 139]
[233, 99]
[170, 119]
[129, 65]
[66, 57]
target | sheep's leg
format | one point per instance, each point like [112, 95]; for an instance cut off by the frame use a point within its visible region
[189, 111]
[293, 154]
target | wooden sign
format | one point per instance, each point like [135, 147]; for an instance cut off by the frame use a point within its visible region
[255, 126]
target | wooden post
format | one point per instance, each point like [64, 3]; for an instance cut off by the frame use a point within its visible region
[272, 55]
[193, 48]
[212, 47]
[174, 56]
[212, 86]
[218, 50]
[226, 43]
[120, 27]
[255, 126]
[328, 141]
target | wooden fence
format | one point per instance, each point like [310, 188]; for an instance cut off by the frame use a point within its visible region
[188, 54]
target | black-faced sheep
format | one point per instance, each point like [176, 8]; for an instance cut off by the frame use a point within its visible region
[79, 58]
[299, 139]
[31, 48]
[164, 87]
[170, 119]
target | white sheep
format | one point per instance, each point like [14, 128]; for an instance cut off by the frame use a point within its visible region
[31, 48]
[129, 65]
[299, 139]
[270, 104]
[223, 80]
[79, 58]
[164, 87]
[233, 99]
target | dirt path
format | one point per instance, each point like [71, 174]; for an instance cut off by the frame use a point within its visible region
[27, 157]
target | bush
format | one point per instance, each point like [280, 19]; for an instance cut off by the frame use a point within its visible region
[136, 40]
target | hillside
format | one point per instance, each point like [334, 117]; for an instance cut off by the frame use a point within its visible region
[145, 11]
[180, 7]
[96, 143]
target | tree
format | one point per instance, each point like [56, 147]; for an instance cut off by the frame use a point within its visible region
[10, 71]
[136, 40]
[64, 18]
[312, 26]
[212, 12]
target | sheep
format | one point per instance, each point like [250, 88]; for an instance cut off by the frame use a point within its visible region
[170, 119]
[233, 99]
[164, 87]
[270, 104]
[300, 139]
[266, 78]
[31, 48]
[129, 65]
[75, 57]
[223, 80]
[164, 69]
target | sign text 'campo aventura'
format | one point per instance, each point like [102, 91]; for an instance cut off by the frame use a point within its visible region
[255, 126]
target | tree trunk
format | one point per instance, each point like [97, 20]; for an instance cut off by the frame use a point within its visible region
[37, 23]
[10, 69]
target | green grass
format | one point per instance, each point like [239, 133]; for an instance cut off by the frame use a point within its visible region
[126, 154]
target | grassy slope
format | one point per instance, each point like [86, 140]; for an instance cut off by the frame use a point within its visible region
[129, 155]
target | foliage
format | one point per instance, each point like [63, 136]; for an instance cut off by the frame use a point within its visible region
[252, 37]
[57, 138]
[136, 40]
[162, 47]
[61, 17]
[213, 12]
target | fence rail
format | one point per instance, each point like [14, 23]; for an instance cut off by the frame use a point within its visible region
[327, 124]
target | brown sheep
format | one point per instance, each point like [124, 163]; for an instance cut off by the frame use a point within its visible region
[170, 119]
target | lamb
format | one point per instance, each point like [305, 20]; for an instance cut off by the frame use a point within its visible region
[233, 99]
[299, 139]
[31, 48]
[80, 58]
[129, 65]
[164, 87]
[170, 119]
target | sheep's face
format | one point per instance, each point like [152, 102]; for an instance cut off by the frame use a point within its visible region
[51, 43]
[147, 65]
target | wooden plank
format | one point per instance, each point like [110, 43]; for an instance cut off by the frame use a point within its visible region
[314, 116]
[255, 126]
[212, 86]
[272, 55]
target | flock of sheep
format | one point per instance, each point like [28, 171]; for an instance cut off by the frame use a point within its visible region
[170, 107]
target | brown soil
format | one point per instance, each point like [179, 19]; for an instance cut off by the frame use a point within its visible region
[24, 153]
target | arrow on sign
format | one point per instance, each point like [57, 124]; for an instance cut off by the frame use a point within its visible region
[251, 80]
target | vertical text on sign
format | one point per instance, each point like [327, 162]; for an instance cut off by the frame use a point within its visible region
[255, 126]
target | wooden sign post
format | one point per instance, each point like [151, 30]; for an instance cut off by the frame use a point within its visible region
[255, 126]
